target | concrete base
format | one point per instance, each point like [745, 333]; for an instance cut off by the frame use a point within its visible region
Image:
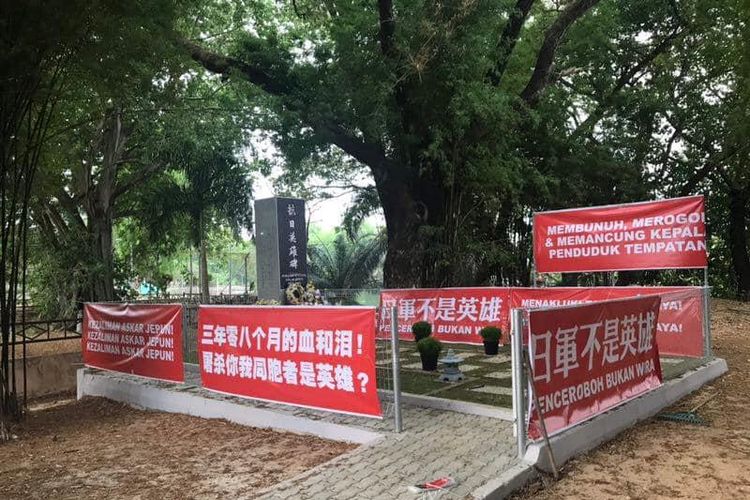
[143, 393]
[49, 374]
[503, 486]
[589, 434]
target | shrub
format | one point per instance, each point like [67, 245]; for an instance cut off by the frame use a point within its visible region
[429, 346]
[491, 333]
[421, 330]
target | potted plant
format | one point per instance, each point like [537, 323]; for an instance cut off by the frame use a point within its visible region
[421, 330]
[429, 350]
[491, 336]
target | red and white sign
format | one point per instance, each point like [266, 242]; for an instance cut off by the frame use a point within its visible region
[589, 358]
[679, 331]
[314, 357]
[139, 339]
[456, 314]
[666, 234]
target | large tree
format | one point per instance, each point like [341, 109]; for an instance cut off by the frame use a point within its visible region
[110, 132]
[459, 110]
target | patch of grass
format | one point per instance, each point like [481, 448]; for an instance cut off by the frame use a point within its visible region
[420, 383]
[502, 382]
[462, 393]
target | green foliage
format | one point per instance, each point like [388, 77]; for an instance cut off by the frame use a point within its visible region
[644, 99]
[421, 330]
[58, 278]
[429, 347]
[490, 333]
[343, 263]
[472, 159]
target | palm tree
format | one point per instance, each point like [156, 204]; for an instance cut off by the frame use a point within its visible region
[345, 264]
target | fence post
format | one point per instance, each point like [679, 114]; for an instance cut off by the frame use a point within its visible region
[516, 358]
[229, 272]
[707, 341]
[395, 357]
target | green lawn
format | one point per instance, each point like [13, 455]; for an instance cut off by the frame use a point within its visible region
[488, 378]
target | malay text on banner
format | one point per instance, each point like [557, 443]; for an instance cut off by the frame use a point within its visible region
[665, 234]
[679, 331]
[139, 339]
[589, 358]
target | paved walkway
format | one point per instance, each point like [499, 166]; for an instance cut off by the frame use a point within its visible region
[471, 449]
[434, 443]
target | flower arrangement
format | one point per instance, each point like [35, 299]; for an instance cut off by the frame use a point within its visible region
[296, 294]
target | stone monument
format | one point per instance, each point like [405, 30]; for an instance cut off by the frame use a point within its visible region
[281, 245]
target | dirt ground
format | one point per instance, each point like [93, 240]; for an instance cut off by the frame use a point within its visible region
[95, 448]
[661, 459]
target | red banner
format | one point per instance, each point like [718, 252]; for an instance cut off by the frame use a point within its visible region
[139, 339]
[589, 358]
[666, 234]
[314, 357]
[456, 314]
[679, 331]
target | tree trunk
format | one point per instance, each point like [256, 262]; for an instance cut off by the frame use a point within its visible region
[408, 208]
[101, 243]
[738, 204]
[403, 266]
[628, 278]
[203, 270]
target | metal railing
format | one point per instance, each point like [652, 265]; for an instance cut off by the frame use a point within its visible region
[48, 330]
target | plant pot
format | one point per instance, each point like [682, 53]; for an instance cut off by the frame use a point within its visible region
[429, 363]
[491, 347]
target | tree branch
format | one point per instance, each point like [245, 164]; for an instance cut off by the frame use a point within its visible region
[136, 178]
[509, 38]
[712, 164]
[552, 38]
[626, 78]
[368, 153]
[225, 65]
[68, 203]
[387, 30]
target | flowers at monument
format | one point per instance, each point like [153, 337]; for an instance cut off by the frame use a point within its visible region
[296, 294]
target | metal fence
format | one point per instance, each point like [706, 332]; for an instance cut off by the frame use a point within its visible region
[48, 330]
[190, 333]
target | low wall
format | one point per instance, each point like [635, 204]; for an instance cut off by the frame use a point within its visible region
[587, 435]
[177, 398]
[49, 374]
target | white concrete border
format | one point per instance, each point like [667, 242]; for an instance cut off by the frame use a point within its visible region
[589, 434]
[507, 483]
[141, 395]
[438, 403]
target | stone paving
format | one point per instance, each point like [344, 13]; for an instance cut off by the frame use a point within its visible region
[471, 449]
